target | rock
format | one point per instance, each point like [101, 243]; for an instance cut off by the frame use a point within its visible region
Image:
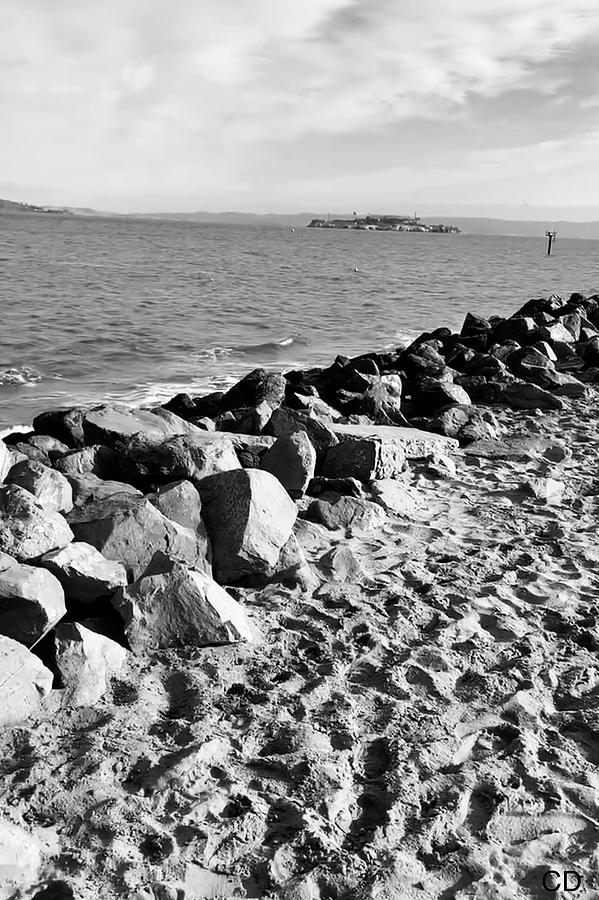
[311, 537]
[313, 406]
[175, 606]
[442, 466]
[246, 420]
[27, 530]
[546, 349]
[50, 488]
[186, 457]
[20, 858]
[49, 445]
[88, 487]
[451, 420]
[180, 502]
[522, 395]
[396, 497]
[6, 461]
[85, 660]
[522, 329]
[365, 458]
[25, 681]
[110, 425]
[285, 422]
[380, 400]
[341, 564]
[130, 530]
[351, 487]
[249, 517]
[430, 395]
[474, 325]
[291, 459]
[548, 489]
[257, 386]
[96, 460]
[66, 425]
[84, 573]
[415, 444]
[556, 331]
[31, 599]
[336, 511]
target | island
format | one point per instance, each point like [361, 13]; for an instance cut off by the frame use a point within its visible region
[384, 223]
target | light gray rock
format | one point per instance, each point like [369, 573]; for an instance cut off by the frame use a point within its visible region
[311, 537]
[249, 517]
[351, 513]
[31, 599]
[27, 530]
[556, 331]
[24, 679]
[116, 423]
[291, 459]
[49, 445]
[20, 858]
[84, 573]
[415, 443]
[48, 486]
[175, 606]
[130, 530]
[180, 502]
[6, 461]
[88, 487]
[96, 460]
[85, 660]
[342, 564]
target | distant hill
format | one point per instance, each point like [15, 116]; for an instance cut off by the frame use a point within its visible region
[11, 206]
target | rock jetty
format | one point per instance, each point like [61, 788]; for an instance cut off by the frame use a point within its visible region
[330, 633]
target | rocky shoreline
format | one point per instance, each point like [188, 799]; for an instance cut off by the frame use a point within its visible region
[328, 634]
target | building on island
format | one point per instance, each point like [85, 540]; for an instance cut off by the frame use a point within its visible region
[384, 223]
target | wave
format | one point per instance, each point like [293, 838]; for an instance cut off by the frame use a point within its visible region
[20, 375]
[272, 347]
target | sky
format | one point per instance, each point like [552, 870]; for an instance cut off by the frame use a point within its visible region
[481, 107]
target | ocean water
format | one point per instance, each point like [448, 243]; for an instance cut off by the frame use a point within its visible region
[135, 310]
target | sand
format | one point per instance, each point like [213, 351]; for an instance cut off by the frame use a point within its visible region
[427, 728]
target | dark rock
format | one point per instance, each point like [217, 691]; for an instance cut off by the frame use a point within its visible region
[380, 400]
[291, 459]
[522, 329]
[522, 395]
[247, 420]
[430, 395]
[66, 425]
[95, 460]
[349, 487]
[188, 457]
[257, 386]
[285, 422]
[88, 487]
[475, 325]
[249, 517]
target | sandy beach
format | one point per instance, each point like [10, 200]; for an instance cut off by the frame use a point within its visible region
[413, 710]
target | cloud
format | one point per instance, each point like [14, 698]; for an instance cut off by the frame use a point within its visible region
[136, 98]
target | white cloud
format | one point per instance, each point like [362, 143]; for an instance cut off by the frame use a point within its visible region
[191, 91]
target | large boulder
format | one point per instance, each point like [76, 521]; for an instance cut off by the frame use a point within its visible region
[292, 459]
[49, 487]
[249, 517]
[414, 443]
[66, 425]
[85, 660]
[556, 331]
[27, 530]
[95, 460]
[110, 425]
[88, 487]
[364, 458]
[523, 395]
[256, 387]
[186, 457]
[431, 394]
[379, 399]
[351, 513]
[285, 422]
[84, 573]
[31, 600]
[175, 606]
[130, 530]
[24, 679]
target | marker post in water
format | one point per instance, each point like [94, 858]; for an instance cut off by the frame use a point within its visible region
[551, 235]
